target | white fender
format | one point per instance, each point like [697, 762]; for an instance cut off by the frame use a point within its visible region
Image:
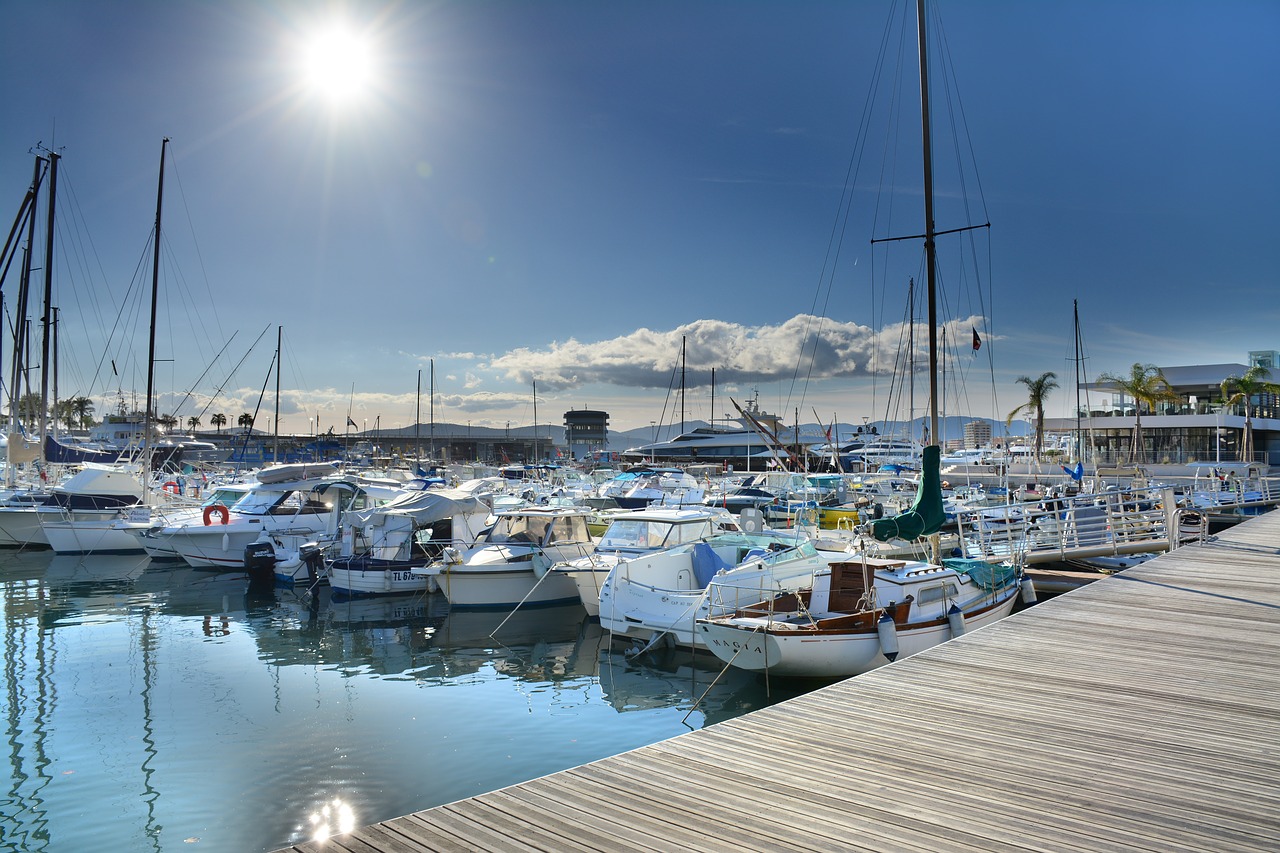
[1028, 590]
[955, 618]
[888, 632]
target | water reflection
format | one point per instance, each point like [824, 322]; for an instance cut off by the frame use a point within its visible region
[146, 702]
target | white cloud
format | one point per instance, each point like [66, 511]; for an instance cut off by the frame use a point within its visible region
[803, 346]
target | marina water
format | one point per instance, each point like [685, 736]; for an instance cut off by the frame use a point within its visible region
[151, 706]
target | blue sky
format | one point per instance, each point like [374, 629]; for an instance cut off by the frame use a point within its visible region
[560, 192]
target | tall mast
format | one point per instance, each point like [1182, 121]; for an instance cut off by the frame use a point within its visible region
[20, 355]
[432, 403]
[713, 399]
[155, 291]
[929, 248]
[275, 451]
[682, 362]
[417, 423]
[48, 298]
[1075, 312]
[535, 420]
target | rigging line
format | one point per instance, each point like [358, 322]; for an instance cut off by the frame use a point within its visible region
[194, 241]
[248, 428]
[106, 350]
[231, 375]
[196, 384]
[892, 134]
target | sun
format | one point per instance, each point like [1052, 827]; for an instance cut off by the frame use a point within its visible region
[338, 63]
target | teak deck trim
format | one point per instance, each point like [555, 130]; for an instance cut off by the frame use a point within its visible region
[1141, 712]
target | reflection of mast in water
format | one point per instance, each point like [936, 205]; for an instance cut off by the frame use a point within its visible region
[32, 833]
[151, 796]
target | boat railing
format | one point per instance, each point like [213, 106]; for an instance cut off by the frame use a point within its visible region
[1062, 529]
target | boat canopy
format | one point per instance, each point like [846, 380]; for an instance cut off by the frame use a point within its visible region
[926, 515]
[423, 507]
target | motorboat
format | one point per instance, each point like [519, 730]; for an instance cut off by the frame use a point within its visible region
[382, 547]
[655, 598]
[631, 534]
[509, 567]
[309, 507]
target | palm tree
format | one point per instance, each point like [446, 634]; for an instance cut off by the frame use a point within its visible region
[83, 408]
[245, 421]
[167, 421]
[1037, 391]
[1252, 384]
[219, 420]
[193, 423]
[1146, 385]
[64, 413]
[29, 406]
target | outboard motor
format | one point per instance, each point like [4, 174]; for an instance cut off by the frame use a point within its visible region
[313, 557]
[260, 562]
[260, 559]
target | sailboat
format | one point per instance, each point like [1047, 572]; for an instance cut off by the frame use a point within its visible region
[98, 531]
[866, 612]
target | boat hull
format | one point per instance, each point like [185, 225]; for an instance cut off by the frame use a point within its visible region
[792, 651]
[83, 534]
[356, 582]
[20, 527]
[508, 587]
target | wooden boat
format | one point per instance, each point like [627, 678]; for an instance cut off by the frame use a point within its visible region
[861, 615]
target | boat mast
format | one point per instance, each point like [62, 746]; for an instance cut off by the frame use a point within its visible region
[28, 209]
[682, 365]
[1075, 311]
[432, 406]
[535, 420]
[417, 424]
[275, 450]
[151, 346]
[54, 157]
[930, 254]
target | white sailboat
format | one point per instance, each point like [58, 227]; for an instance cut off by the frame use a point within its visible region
[865, 612]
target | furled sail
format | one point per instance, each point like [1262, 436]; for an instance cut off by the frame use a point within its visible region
[925, 516]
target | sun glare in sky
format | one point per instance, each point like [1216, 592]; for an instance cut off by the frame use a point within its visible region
[338, 63]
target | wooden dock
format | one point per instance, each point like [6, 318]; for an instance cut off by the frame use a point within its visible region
[1141, 712]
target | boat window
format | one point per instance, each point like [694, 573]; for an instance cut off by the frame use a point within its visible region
[937, 592]
[691, 532]
[519, 530]
[630, 533]
[569, 528]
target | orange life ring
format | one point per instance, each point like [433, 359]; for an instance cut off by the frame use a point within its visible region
[216, 509]
[171, 487]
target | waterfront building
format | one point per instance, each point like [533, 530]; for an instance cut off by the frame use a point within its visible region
[1196, 427]
[585, 431]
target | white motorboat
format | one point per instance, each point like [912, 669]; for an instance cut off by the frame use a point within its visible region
[637, 532]
[500, 571]
[79, 517]
[656, 598]
[382, 547]
[307, 508]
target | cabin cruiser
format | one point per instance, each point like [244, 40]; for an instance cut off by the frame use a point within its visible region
[509, 567]
[632, 534]
[310, 506]
[382, 548]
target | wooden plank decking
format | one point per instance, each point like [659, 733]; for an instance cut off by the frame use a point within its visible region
[1141, 712]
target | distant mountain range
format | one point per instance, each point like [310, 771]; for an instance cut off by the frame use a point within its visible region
[952, 427]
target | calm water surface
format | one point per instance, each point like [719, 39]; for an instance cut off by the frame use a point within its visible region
[151, 706]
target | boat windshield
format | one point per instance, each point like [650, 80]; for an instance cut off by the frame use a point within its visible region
[635, 533]
[519, 530]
